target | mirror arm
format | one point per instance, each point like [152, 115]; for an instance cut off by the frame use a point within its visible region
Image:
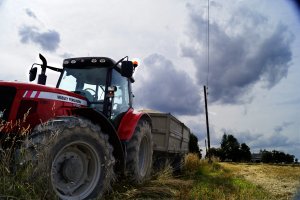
[55, 69]
[114, 66]
[34, 65]
[49, 67]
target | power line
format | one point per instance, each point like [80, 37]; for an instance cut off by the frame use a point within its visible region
[207, 43]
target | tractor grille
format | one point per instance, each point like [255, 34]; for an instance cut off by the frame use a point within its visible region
[7, 95]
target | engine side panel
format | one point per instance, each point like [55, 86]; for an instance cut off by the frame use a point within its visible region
[33, 104]
[40, 106]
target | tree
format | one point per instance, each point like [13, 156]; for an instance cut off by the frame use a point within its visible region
[230, 148]
[276, 157]
[193, 145]
[266, 156]
[245, 154]
[289, 158]
[216, 152]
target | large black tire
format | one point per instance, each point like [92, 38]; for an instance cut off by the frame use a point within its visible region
[76, 155]
[139, 153]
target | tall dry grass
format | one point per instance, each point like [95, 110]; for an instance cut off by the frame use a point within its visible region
[17, 179]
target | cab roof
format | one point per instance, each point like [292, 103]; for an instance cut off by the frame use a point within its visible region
[88, 61]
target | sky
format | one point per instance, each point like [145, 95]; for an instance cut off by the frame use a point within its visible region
[252, 73]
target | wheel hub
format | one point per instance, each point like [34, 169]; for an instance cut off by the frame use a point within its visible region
[69, 170]
[72, 169]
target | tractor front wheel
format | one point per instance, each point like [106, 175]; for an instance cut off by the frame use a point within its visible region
[77, 157]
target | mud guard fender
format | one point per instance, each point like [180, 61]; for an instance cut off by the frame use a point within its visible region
[129, 123]
[108, 128]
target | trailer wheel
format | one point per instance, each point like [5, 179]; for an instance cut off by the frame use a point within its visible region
[76, 156]
[177, 164]
[139, 153]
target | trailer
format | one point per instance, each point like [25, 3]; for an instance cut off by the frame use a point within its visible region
[170, 139]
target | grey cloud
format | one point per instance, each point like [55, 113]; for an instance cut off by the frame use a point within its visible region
[167, 89]
[215, 4]
[197, 128]
[244, 52]
[294, 101]
[67, 55]
[274, 56]
[284, 125]
[275, 141]
[48, 40]
[30, 13]
[244, 136]
[249, 137]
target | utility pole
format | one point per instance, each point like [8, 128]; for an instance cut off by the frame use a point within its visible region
[207, 124]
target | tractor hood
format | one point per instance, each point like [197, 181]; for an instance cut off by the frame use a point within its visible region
[28, 90]
[32, 104]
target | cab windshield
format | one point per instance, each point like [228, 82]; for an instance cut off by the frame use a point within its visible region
[91, 82]
[88, 81]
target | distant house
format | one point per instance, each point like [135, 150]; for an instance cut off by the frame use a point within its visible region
[256, 157]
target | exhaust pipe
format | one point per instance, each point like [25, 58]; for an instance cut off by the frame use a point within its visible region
[42, 77]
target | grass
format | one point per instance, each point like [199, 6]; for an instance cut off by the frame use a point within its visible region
[17, 181]
[18, 186]
[163, 185]
[199, 180]
[213, 181]
[281, 181]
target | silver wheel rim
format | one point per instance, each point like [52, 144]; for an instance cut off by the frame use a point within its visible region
[75, 171]
[144, 156]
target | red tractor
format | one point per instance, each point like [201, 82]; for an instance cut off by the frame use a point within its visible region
[86, 127]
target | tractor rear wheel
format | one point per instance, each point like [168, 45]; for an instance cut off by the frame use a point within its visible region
[139, 153]
[76, 155]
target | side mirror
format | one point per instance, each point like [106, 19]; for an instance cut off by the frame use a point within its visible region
[127, 69]
[32, 74]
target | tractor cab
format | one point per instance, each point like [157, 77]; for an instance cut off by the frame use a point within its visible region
[104, 83]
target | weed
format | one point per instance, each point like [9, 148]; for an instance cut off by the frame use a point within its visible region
[165, 173]
[19, 180]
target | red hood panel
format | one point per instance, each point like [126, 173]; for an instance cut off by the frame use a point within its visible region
[39, 88]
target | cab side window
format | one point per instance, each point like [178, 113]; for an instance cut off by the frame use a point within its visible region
[121, 99]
